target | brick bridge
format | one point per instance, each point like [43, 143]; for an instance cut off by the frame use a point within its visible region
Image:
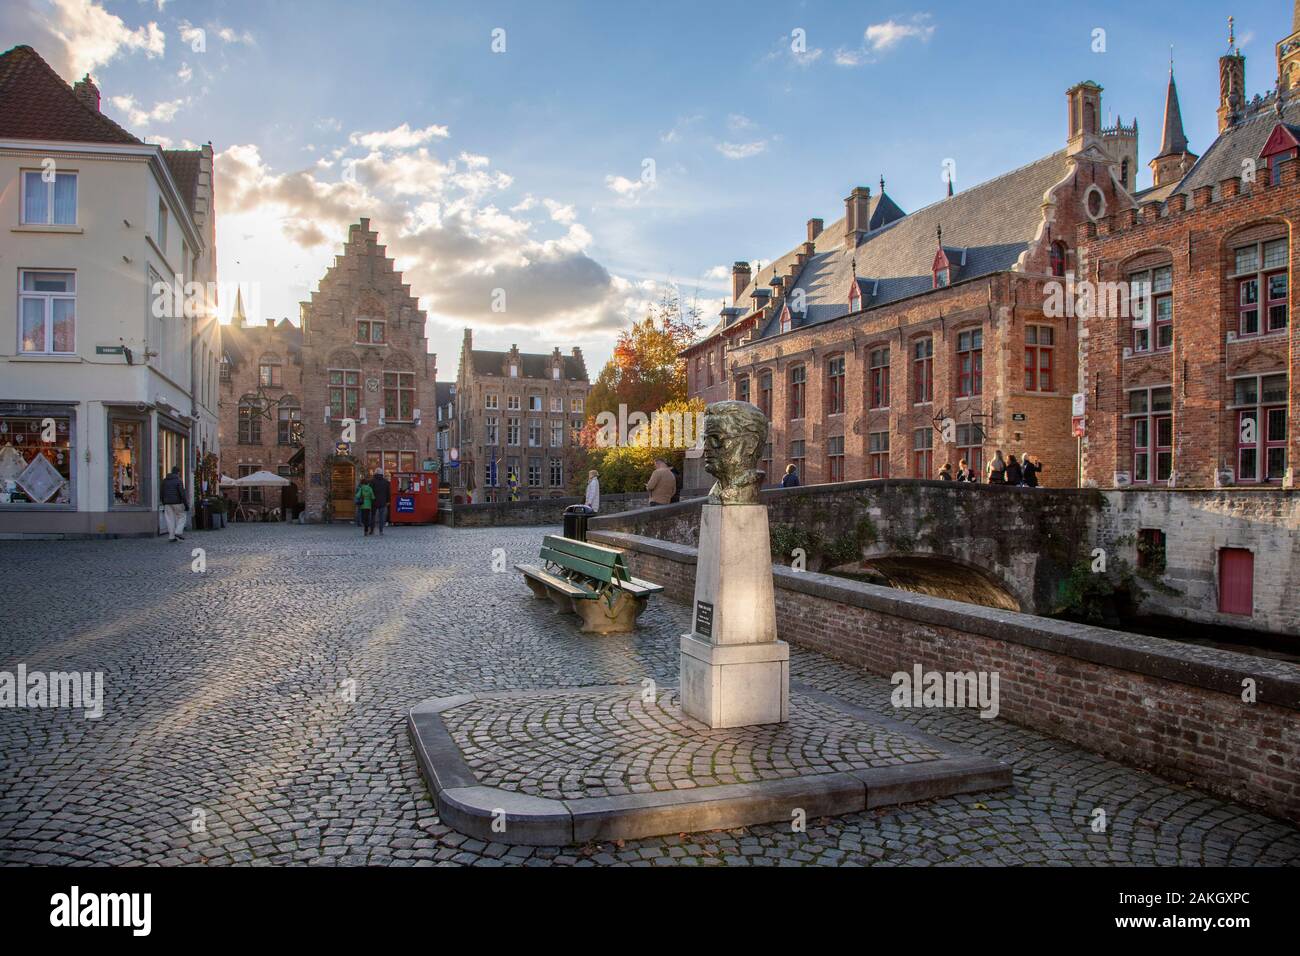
[986, 544]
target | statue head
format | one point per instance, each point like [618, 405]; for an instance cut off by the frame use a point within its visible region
[735, 434]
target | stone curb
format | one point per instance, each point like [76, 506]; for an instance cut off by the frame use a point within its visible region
[472, 808]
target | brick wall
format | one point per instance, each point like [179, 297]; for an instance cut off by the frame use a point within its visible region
[1175, 709]
[543, 511]
[1198, 240]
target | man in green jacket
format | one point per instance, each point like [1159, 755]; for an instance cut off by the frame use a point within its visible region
[366, 502]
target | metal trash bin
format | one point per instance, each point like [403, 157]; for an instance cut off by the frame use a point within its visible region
[575, 521]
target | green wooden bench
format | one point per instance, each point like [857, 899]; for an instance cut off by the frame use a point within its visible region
[590, 580]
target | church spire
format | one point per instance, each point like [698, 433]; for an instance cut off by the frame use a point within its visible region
[1174, 141]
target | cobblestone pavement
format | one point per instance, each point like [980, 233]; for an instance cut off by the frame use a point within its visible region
[612, 744]
[254, 713]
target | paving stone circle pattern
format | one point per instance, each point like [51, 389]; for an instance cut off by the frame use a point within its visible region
[230, 737]
[609, 744]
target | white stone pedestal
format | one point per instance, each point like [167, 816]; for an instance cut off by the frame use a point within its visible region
[734, 671]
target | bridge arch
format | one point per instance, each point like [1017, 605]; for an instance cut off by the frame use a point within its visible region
[936, 575]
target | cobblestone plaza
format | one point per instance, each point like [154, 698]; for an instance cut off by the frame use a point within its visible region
[254, 713]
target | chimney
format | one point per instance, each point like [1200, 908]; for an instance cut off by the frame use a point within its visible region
[815, 227]
[739, 281]
[86, 91]
[1084, 101]
[857, 215]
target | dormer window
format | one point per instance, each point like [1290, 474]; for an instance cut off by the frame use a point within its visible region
[514, 371]
[555, 373]
[941, 269]
[787, 320]
[1282, 145]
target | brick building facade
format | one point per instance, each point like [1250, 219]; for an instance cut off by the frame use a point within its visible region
[520, 413]
[890, 343]
[359, 354]
[1194, 385]
[261, 414]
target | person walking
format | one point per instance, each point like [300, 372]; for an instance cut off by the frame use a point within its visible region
[945, 473]
[791, 477]
[966, 473]
[175, 503]
[1030, 468]
[383, 497]
[997, 469]
[662, 485]
[592, 500]
[366, 507]
[1014, 475]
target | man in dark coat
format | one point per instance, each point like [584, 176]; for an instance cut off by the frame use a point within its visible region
[175, 503]
[383, 494]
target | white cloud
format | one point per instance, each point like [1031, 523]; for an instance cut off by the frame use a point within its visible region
[403, 137]
[717, 272]
[185, 73]
[453, 245]
[560, 212]
[137, 115]
[77, 36]
[887, 35]
[742, 150]
[626, 188]
[846, 57]
[229, 35]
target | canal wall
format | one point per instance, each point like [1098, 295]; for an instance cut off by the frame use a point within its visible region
[1227, 723]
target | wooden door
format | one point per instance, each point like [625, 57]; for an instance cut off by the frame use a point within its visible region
[343, 486]
[1236, 581]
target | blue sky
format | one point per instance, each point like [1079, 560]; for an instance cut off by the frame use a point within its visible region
[523, 169]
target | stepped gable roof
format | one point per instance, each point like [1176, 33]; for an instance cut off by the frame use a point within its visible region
[37, 103]
[1222, 160]
[532, 365]
[240, 343]
[989, 225]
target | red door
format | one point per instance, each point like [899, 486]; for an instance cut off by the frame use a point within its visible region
[1236, 581]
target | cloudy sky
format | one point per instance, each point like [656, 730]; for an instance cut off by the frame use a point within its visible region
[585, 156]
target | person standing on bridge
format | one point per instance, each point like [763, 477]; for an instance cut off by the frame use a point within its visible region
[662, 485]
[966, 473]
[1030, 469]
[1014, 475]
[945, 473]
[791, 477]
[592, 500]
[997, 469]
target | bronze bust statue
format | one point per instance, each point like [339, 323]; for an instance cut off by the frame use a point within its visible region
[735, 434]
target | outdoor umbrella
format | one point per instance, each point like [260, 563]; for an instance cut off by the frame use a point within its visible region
[228, 482]
[262, 479]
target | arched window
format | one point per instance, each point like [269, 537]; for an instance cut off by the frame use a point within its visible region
[1057, 255]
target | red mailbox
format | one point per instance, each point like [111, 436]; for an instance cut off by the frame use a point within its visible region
[415, 497]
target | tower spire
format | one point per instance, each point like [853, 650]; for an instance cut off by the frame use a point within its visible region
[1174, 140]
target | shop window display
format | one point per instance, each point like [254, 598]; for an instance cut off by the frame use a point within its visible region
[35, 460]
[128, 454]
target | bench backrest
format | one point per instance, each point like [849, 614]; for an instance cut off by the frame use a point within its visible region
[594, 560]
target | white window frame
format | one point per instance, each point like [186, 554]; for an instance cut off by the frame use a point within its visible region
[48, 311]
[491, 401]
[49, 199]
